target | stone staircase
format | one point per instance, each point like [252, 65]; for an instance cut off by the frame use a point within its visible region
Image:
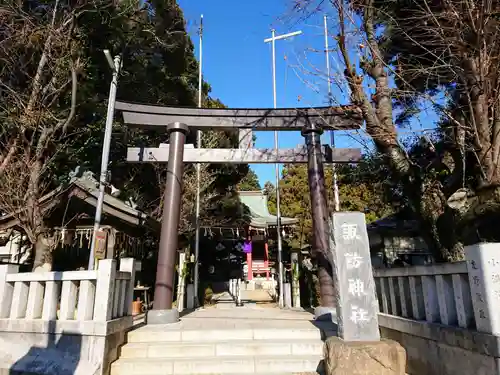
[227, 341]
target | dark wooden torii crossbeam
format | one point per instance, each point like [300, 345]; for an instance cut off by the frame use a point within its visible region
[245, 120]
[178, 121]
[282, 119]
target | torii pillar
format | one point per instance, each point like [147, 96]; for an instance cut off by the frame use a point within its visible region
[319, 213]
[162, 312]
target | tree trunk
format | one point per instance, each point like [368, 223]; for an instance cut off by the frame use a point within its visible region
[34, 220]
[427, 201]
[43, 247]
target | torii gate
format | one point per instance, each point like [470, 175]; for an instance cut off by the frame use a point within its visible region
[178, 121]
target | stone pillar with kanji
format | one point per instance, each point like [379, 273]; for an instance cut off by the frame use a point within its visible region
[358, 346]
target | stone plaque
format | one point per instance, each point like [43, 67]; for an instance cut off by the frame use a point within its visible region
[483, 266]
[357, 307]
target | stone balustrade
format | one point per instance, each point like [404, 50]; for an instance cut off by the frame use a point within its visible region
[73, 319]
[437, 293]
[446, 316]
[99, 295]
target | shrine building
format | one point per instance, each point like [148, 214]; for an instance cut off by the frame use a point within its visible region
[261, 229]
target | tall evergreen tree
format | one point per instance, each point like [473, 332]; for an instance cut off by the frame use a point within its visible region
[54, 84]
[362, 187]
[250, 182]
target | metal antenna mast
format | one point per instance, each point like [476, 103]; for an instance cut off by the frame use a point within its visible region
[115, 66]
[336, 198]
[198, 175]
[273, 39]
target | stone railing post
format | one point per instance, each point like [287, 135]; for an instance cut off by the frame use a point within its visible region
[86, 300]
[128, 265]
[417, 297]
[232, 287]
[287, 295]
[68, 300]
[238, 292]
[180, 281]
[106, 275]
[35, 300]
[190, 296]
[50, 300]
[295, 278]
[463, 300]
[6, 289]
[483, 265]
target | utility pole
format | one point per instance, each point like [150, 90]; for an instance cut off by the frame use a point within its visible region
[115, 66]
[198, 176]
[273, 39]
[336, 197]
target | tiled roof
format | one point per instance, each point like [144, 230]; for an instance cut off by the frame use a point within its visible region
[256, 201]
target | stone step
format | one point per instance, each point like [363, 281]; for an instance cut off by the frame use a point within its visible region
[204, 335]
[236, 373]
[219, 365]
[228, 373]
[219, 348]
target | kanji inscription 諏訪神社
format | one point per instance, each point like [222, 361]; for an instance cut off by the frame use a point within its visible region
[357, 307]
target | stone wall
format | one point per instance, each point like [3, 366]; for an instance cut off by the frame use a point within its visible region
[60, 347]
[434, 349]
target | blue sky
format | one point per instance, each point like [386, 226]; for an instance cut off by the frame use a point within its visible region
[237, 62]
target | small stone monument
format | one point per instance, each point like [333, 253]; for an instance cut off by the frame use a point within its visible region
[357, 307]
[483, 264]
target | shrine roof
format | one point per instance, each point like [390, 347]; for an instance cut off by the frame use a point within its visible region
[398, 223]
[114, 206]
[256, 201]
[85, 189]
